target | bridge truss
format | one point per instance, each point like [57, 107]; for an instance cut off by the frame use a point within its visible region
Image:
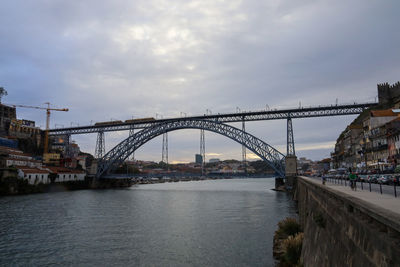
[323, 111]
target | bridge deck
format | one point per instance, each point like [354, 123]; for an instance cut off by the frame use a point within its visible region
[303, 112]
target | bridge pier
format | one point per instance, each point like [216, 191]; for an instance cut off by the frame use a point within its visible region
[288, 183]
[290, 172]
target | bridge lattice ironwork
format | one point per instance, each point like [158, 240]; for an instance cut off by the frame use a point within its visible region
[119, 153]
[321, 111]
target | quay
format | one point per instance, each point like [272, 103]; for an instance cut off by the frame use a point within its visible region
[347, 228]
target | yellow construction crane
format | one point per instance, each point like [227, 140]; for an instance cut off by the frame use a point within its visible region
[46, 138]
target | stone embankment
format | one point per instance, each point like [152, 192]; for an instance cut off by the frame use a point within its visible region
[341, 229]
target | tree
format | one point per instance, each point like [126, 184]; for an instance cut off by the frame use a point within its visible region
[3, 92]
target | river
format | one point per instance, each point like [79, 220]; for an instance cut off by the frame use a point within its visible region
[199, 223]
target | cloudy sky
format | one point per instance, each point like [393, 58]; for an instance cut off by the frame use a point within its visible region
[108, 60]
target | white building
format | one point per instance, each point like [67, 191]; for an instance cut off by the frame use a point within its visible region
[67, 175]
[17, 158]
[34, 176]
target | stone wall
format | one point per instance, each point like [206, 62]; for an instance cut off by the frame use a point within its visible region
[345, 231]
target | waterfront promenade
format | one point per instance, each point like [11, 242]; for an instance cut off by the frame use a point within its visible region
[343, 227]
[385, 205]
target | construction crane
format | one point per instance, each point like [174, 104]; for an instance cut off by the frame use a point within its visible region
[46, 138]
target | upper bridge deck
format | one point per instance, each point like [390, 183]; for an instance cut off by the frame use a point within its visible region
[302, 112]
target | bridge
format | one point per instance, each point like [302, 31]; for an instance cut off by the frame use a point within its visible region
[217, 123]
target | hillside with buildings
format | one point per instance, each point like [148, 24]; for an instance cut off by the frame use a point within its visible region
[22, 157]
[371, 142]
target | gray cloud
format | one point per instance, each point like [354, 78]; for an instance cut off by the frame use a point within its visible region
[120, 59]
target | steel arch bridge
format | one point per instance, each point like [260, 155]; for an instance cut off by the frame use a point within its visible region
[120, 152]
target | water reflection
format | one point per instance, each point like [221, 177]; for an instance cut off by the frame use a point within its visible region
[204, 223]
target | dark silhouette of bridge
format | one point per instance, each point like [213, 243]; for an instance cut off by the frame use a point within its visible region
[215, 123]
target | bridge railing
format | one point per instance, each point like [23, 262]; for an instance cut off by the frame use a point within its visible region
[378, 187]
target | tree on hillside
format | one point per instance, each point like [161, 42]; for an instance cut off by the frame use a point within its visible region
[3, 92]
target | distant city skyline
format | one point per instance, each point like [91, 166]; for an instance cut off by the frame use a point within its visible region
[115, 61]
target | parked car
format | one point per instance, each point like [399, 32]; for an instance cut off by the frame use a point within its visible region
[372, 178]
[383, 179]
[363, 178]
[396, 179]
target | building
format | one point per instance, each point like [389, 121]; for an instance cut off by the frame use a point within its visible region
[198, 159]
[52, 159]
[389, 95]
[346, 154]
[61, 174]
[393, 141]
[82, 159]
[214, 160]
[16, 158]
[375, 133]
[24, 129]
[5, 142]
[7, 113]
[34, 176]
[374, 145]
[60, 144]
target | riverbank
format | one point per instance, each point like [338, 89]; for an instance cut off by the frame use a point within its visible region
[10, 186]
[14, 186]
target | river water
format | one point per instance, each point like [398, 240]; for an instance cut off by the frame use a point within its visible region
[198, 223]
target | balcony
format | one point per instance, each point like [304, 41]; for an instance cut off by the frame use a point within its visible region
[380, 148]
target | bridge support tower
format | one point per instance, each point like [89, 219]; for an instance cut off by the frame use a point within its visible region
[202, 152]
[291, 159]
[165, 149]
[132, 132]
[100, 146]
[244, 148]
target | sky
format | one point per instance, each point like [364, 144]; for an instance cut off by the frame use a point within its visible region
[117, 60]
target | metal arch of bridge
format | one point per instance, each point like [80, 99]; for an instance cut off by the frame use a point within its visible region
[119, 153]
